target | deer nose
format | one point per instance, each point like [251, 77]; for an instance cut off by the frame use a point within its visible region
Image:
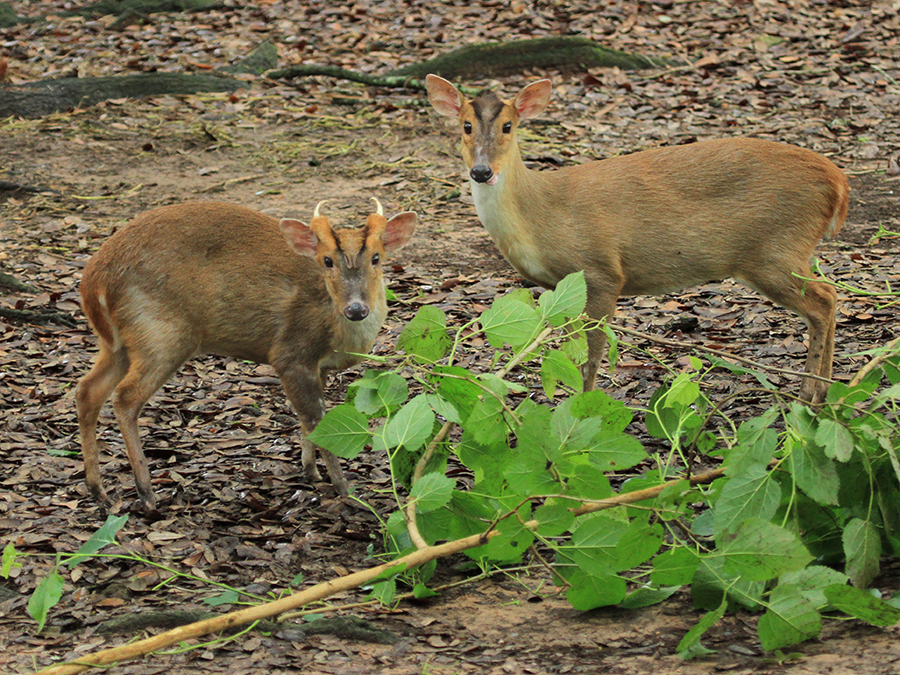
[481, 173]
[356, 311]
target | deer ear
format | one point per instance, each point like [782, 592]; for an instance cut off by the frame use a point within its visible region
[533, 99]
[299, 237]
[398, 231]
[443, 96]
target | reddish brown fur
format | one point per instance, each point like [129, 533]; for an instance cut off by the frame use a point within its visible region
[210, 277]
[656, 221]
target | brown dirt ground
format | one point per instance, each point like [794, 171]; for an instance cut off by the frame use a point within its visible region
[238, 480]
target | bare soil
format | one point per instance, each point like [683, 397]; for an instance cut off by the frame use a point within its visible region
[222, 438]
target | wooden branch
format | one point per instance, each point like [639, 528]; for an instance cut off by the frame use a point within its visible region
[320, 591]
[141, 648]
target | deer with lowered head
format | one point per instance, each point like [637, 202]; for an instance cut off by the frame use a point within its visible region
[656, 221]
[216, 278]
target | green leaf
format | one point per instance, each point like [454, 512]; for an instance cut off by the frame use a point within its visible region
[556, 367]
[379, 391]
[674, 567]
[862, 605]
[459, 389]
[425, 337]
[638, 544]
[759, 550]
[225, 598]
[513, 539]
[510, 321]
[554, 517]
[575, 347]
[835, 438]
[690, 646]
[712, 582]
[104, 536]
[585, 481]
[44, 597]
[683, 391]
[9, 560]
[421, 591]
[756, 443]
[813, 472]
[486, 422]
[812, 582]
[862, 549]
[589, 591]
[614, 451]
[753, 493]
[669, 411]
[593, 544]
[410, 427]
[528, 476]
[645, 596]
[444, 408]
[385, 591]
[790, 619]
[566, 301]
[432, 491]
[573, 433]
[343, 430]
[596, 403]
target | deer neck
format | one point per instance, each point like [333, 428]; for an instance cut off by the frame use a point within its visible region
[511, 210]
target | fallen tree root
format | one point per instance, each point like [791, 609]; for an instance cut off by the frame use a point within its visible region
[489, 59]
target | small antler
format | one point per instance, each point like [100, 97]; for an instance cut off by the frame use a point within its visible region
[316, 213]
[378, 209]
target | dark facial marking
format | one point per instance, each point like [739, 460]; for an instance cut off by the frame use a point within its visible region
[487, 107]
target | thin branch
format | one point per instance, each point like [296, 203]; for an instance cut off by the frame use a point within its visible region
[410, 510]
[725, 355]
[646, 493]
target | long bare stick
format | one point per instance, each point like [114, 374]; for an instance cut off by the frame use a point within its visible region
[220, 623]
[328, 588]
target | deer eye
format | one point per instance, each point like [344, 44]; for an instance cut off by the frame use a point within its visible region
[507, 128]
[376, 259]
[467, 127]
[328, 262]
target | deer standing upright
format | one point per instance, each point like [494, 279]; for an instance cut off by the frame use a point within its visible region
[215, 278]
[656, 221]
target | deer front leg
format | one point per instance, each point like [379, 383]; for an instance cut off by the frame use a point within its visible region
[304, 389]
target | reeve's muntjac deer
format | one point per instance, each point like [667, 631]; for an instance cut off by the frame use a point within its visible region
[655, 221]
[216, 278]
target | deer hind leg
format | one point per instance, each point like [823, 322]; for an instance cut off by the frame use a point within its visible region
[91, 393]
[815, 301]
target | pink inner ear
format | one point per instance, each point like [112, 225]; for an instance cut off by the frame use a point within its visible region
[533, 99]
[442, 95]
[298, 236]
[398, 231]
